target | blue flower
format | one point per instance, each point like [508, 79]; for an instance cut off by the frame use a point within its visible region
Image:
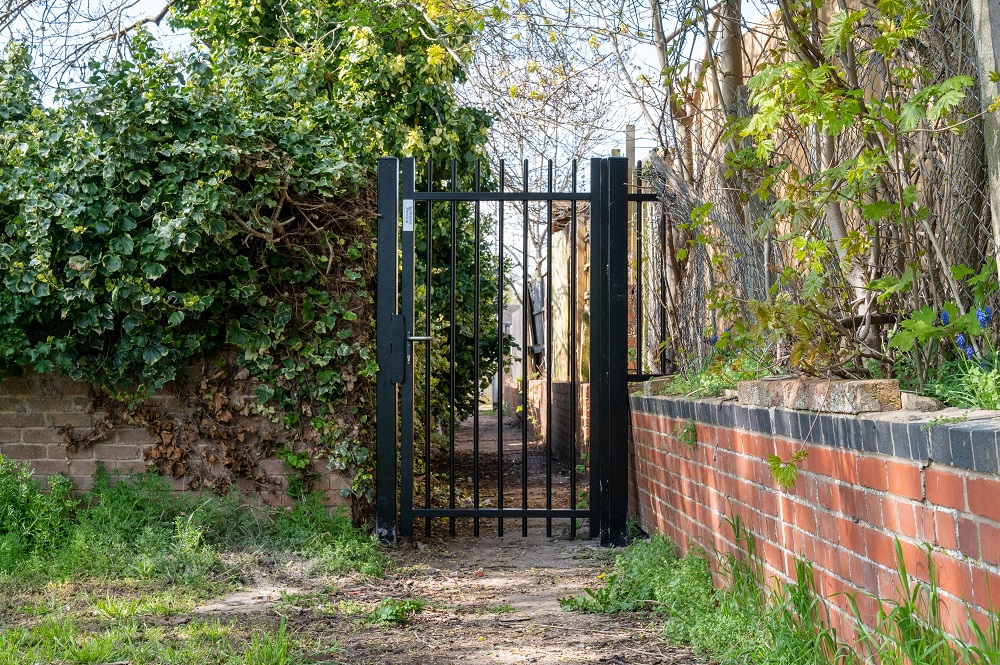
[989, 314]
[945, 319]
[960, 340]
[981, 317]
[969, 352]
[713, 339]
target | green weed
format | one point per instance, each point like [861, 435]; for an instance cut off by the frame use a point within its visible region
[498, 609]
[745, 623]
[686, 433]
[391, 610]
[32, 521]
[721, 371]
[968, 382]
[271, 648]
[111, 607]
[136, 526]
[785, 473]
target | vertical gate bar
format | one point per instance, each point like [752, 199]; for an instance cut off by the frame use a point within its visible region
[616, 430]
[572, 354]
[427, 348]
[525, 313]
[662, 246]
[385, 309]
[548, 359]
[639, 350]
[452, 337]
[406, 387]
[598, 343]
[500, 354]
[475, 364]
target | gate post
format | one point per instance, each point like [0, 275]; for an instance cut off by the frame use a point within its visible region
[609, 350]
[386, 297]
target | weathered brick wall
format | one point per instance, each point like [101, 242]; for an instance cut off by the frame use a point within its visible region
[34, 410]
[564, 410]
[867, 480]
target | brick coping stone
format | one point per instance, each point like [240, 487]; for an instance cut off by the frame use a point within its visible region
[961, 438]
[826, 395]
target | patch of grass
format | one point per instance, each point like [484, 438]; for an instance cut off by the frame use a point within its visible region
[497, 609]
[134, 526]
[112, 607]
[390, 610]
[205, 642]
[32, 522]
[745, 623]
[271, 648]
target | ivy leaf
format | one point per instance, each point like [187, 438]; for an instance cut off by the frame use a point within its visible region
[154, 353]
[154, 270]
[122, 245]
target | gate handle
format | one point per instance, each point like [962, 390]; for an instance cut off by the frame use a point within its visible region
[419, 339]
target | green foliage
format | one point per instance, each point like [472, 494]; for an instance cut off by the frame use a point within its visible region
[299, 468]
[786, 472]
[271, 648]
[182, 559]
[966, 383]
[686, 434]
[219, 201]
[32, 522]
[911, 627]
[390, 610]
[310, 528]
[830, 205]
[721, 371]
[136, 526]
[63, 640]
[745, 623]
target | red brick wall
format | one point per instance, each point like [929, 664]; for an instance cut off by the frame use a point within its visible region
[33, 410]
[848, 504]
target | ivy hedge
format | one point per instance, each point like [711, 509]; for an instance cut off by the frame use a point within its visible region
[219, 203]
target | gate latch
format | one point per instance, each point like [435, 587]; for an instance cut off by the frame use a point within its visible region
[397, 345]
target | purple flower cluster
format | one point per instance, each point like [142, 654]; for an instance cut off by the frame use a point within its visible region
[964, 346]
[984, 315]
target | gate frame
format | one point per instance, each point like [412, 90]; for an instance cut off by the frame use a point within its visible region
[609, 403]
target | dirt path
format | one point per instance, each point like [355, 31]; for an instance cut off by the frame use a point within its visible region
[489, 601]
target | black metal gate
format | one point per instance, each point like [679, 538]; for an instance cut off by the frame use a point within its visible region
[419, 295]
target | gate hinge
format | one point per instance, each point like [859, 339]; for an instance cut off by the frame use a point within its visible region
[397, 347]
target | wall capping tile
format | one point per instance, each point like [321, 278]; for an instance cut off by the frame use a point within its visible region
[972, 445]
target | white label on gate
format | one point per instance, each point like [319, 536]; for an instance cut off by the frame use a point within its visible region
[407, 215]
